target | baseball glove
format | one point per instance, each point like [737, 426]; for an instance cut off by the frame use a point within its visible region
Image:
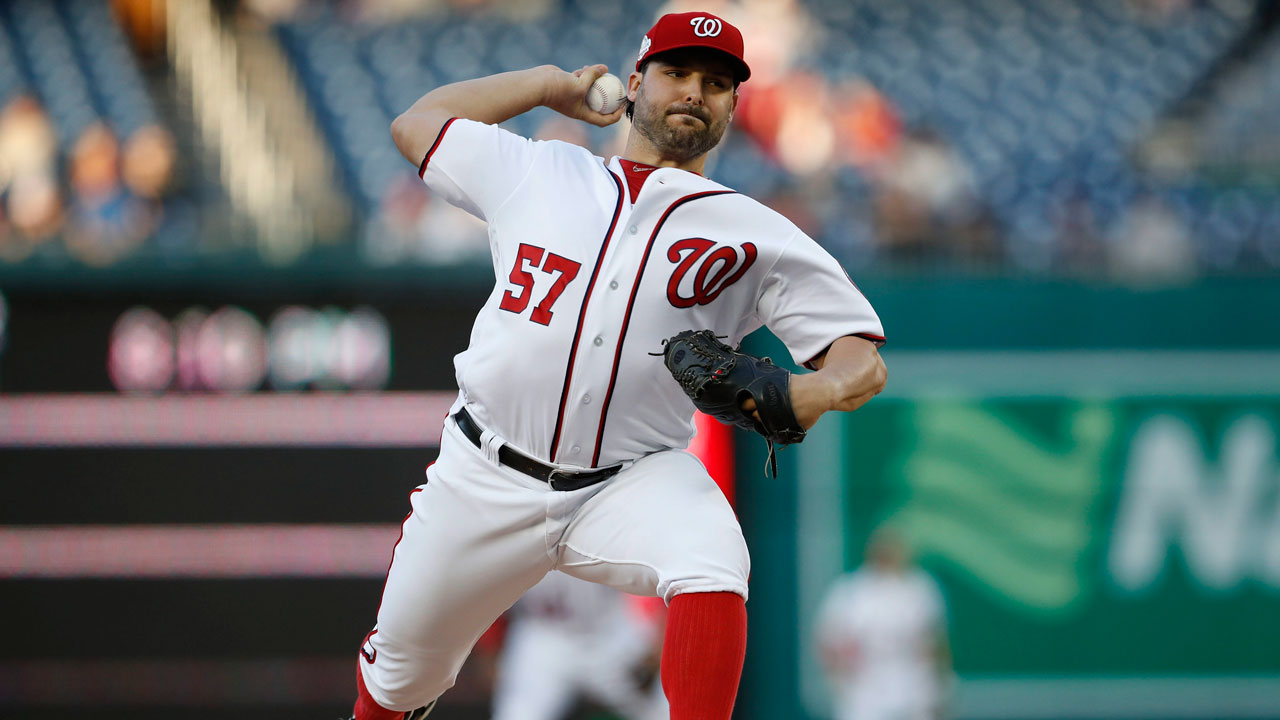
[719, 378]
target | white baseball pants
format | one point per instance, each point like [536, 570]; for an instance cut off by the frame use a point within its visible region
[480, 534]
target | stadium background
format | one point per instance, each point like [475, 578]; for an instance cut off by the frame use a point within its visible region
[228, 311]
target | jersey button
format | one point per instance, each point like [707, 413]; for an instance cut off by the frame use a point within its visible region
[586, 399]
[633, 229]
[575, 450]
[598, 341]
[613, 284]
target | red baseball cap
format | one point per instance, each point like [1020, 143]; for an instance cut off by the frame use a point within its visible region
[695, 29]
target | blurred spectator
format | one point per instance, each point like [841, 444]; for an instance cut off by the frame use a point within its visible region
[568, 639]
[869, 127]
[902, 225]
[28, 142]
[107, 221]
[927, 168]
[805, 138]
[1078, 239]
[272, 10]
[412, 226]
[882, 635]
[927, 207]
[148, 161]
[383, 11]
[394, 234]
[32, 201]
[1151, 244]
[1159, 10]
[144, 21]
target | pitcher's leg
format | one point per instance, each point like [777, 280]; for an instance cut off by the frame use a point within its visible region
[663, 527]
[702, 654]
[473, 543]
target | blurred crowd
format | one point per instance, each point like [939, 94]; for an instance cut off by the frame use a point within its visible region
[871, 179]
[839, 157]
[806, 141]
[83, 171]
[101, 201]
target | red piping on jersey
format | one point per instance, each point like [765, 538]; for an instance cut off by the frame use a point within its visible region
[626, 319]
[577, 334]
[422, 169]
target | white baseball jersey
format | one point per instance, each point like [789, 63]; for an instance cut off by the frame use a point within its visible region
[886, 626]
[590, 284]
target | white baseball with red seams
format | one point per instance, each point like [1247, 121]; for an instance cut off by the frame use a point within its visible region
[606, 94]
[563, 367]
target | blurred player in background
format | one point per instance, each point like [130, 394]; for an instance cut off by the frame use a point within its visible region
[568, 639]
[882, 635]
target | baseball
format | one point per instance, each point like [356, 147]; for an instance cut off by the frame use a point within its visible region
[606, 94]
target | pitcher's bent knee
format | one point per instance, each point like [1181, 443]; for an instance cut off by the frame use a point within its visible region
[723, 571]
[404, 684]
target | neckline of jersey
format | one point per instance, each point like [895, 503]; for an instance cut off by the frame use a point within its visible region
[636, 173]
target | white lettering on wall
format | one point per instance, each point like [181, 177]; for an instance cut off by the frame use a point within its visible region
[1221, 515]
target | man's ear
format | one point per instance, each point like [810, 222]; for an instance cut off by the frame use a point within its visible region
[633, 85]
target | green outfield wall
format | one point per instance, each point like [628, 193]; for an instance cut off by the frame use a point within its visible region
[1103, 517]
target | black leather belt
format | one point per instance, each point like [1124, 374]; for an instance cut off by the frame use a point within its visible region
[516, 460]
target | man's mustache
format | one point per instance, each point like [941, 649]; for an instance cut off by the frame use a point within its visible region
[695, 110]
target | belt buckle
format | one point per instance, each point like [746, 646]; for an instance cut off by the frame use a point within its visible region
[557, 475]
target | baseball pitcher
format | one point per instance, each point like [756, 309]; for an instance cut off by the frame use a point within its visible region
[616, 280]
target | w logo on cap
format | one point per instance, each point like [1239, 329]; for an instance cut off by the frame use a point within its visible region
[675, 31]
[706, 26]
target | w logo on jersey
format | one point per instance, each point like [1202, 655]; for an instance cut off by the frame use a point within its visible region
[716, 270]
[706, 26]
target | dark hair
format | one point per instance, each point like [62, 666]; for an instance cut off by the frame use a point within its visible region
[631, 105]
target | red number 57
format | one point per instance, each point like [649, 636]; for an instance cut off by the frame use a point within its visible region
[565, 269]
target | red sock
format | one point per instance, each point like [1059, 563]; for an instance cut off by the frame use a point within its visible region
[702, 654]
[366, 708]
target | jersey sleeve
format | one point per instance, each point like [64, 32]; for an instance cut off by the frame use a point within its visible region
[477, 166]
[809, 302]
